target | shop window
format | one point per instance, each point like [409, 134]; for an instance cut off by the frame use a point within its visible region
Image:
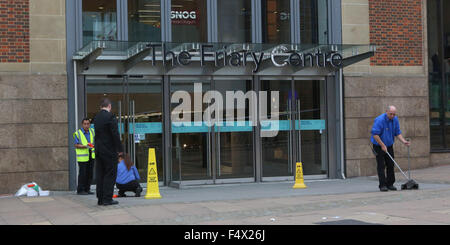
[276, 21]
[189, 21]
[234, 21]
[144, 20]
[313, 21]
[99, 20]
[439, 73]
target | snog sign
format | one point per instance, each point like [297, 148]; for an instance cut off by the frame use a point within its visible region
[279, 56]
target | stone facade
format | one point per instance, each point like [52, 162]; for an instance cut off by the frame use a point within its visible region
[33, 104]
[371, 85]
[33, 88]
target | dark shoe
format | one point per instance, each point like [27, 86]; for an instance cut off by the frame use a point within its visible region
[90, 193]
[100, 202]
[138, 192]
[122, 194]
[83, 193]
[392, 188]
[383, 188]
[110, 203]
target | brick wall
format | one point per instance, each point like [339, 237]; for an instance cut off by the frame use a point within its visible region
[396, 26]
[14, 31]
[396, 75]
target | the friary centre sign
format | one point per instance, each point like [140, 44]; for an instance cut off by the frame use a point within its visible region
[279, 56]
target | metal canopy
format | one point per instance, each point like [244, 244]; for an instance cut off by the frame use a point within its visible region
[163, 58]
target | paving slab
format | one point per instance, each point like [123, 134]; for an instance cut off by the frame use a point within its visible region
[348, 201]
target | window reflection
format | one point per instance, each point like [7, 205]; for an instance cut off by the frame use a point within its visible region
[234, 21]
[189, 21]
[144, 20]
[313, 21]
[99, 20]
[276, 17]
[439, 73]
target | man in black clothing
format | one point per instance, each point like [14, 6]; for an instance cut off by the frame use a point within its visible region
[108, 147]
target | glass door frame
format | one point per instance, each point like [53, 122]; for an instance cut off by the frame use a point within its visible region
[257, 143]
[216, 136]
[213, 145]
[179, 183]
[295, 136]
[129, 81]
[125, 109]
[324, 132]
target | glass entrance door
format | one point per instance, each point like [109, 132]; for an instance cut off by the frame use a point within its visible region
[212, 134]
[144, 122]
[277, 152]
[191, 134]
[233, 135]
[301, 133]
[137, 105]
[310, 109]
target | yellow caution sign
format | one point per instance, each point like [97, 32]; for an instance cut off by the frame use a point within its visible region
[152, 176]
[299, 183]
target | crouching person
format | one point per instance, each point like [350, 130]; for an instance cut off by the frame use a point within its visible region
[127, 176]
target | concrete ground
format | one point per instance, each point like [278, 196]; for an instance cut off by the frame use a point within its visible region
[350, 201]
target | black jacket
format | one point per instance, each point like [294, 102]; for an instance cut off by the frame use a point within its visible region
[107, 139]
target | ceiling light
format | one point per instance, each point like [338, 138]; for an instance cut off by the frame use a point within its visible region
[148, 11]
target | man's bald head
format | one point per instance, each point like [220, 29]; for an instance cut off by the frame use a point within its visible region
[391, 111]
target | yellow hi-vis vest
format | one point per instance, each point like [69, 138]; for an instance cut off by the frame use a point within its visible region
[83, 154]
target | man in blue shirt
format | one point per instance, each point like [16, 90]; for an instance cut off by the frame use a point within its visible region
[384, 130]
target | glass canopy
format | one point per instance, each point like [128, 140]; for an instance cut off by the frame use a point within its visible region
[125, 50]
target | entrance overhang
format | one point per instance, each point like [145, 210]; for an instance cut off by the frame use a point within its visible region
[145, 58]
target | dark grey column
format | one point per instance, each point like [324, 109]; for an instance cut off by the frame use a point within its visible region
[257, 136]
[336, 138]
[334, 22]
[166, 23]
[295, 21]
[331, 127]
[256, 21]
[212, 21]
[122, 20]
[74, 41]
[167, 131]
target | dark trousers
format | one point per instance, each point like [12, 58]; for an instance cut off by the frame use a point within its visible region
[385, 166]
[85, 174]
[130, 186]
[106, 173]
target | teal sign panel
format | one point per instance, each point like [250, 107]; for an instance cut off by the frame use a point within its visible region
[235, 126]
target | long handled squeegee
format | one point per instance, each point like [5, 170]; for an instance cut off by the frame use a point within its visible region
[410, 184]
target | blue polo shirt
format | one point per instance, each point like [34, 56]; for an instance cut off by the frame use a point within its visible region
[124, 175]
[86, 134]
[387, 129]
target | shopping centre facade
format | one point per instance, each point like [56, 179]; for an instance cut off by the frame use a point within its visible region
[327, 68]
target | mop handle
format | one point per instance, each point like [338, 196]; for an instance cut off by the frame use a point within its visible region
[397, 165]
[409, 164]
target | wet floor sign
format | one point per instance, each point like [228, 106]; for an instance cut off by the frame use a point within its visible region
[299, 183]
[152, 176]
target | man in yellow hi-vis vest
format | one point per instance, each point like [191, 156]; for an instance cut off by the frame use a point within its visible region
[84, 148]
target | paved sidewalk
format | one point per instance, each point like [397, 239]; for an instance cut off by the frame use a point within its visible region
[350, 201]
[431, 175]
